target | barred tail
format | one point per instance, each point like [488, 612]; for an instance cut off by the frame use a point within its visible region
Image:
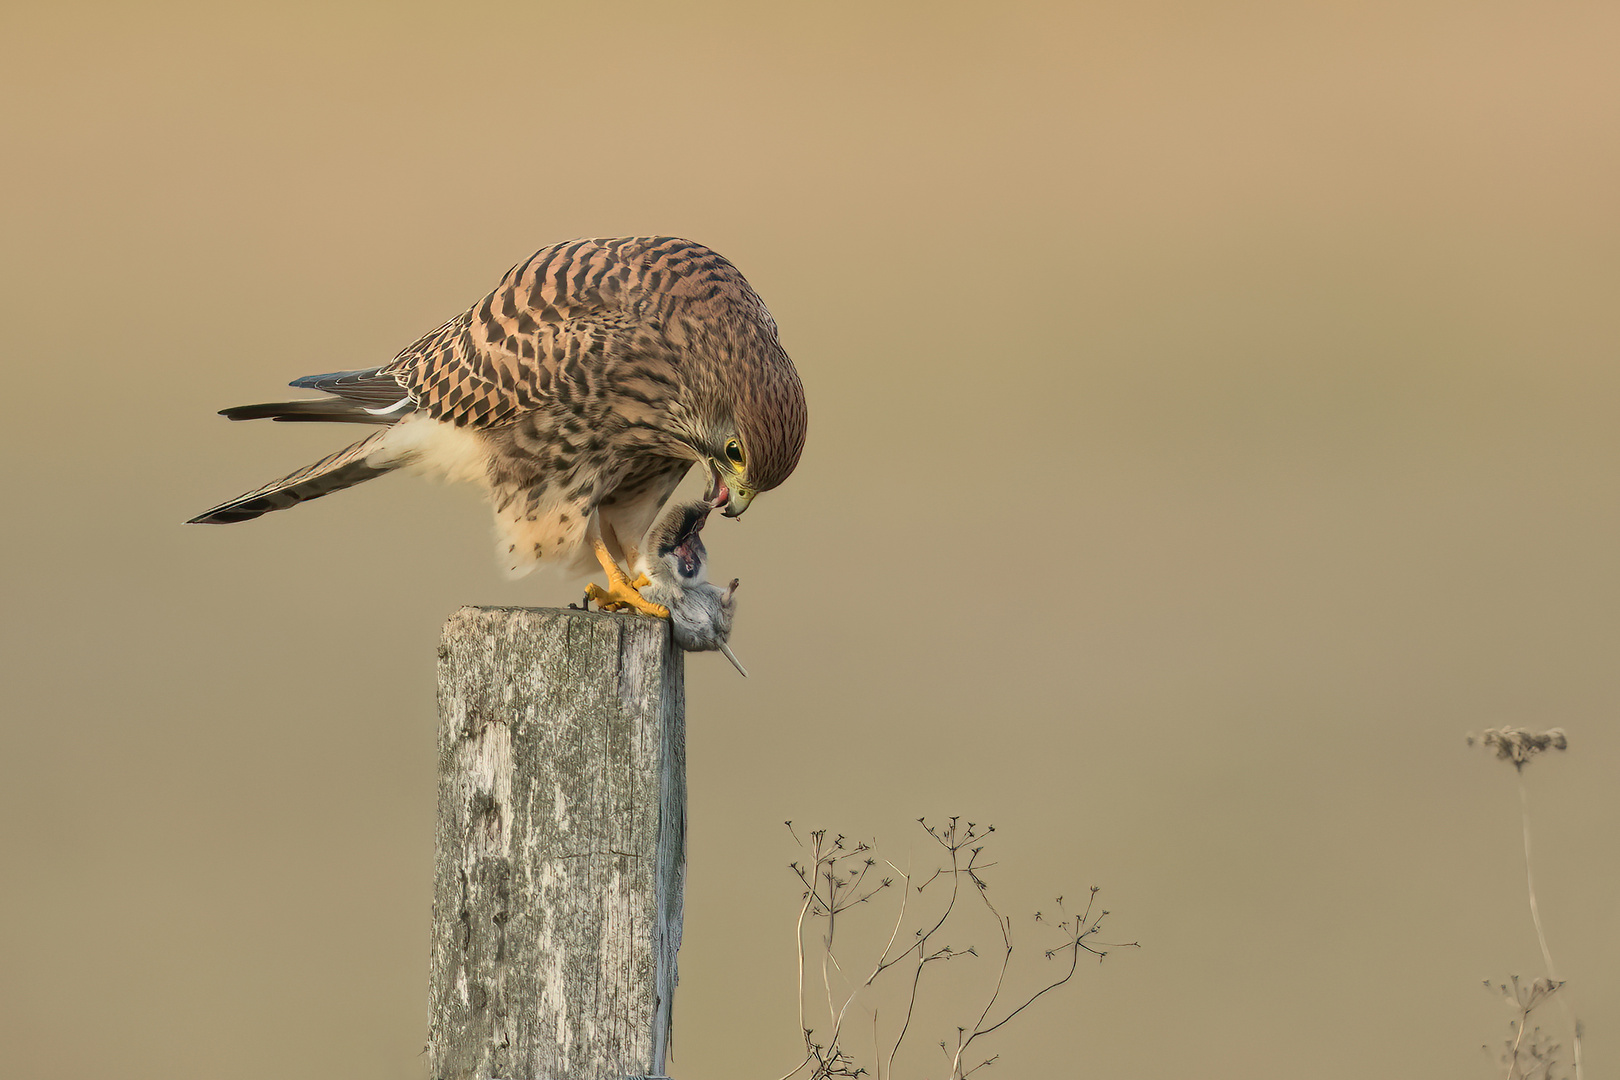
[343, 469]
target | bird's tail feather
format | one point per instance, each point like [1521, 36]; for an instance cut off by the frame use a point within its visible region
[343, 469]
[330, 410]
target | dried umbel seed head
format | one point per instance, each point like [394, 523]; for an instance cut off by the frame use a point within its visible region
[1526, 996]
[1519, 745]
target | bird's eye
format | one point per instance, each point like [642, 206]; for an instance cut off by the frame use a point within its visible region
[734, 452]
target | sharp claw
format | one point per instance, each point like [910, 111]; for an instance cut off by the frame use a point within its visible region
[622, 594]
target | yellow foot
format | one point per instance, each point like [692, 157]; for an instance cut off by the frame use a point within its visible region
[621, 591]
[622, 594]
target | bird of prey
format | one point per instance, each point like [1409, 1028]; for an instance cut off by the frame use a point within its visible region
[577, 393]
[674, 572]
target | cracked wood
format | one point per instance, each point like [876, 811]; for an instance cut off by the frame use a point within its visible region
[561, 845]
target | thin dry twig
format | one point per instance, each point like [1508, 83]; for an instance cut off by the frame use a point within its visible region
[1520, 746]
[833, 884]
[1525, 1057]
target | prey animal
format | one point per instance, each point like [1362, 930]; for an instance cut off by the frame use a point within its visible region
[578, 393]
[674, 572]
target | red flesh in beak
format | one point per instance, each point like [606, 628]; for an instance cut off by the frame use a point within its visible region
[718, 495]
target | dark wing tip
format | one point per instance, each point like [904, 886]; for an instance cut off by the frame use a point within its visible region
[224, 517]
[369, 386]
[333, 378]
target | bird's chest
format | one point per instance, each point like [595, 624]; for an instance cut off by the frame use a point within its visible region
[646, 478]
[556, 446]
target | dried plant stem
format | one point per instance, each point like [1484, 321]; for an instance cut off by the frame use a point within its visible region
[1513, 1051]
[799, 945]
[877, 1049]
[1081, 932]
[877, 969]
[1541, 933]
[922, 959]
[834, 882]
[808, 1058]
[1530, 879]
[827, 951]
[1001, 978]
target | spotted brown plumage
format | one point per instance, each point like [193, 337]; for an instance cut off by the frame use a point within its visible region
[578, 392]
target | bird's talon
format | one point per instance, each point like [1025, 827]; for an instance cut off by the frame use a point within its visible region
[621, 594]
[603, 598]
[621, 591]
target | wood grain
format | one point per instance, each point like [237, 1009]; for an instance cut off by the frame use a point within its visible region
[561, 845]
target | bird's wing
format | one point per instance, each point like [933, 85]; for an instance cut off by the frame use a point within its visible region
[366, 387]
[541, 337]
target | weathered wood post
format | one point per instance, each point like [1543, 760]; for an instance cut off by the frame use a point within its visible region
[561, 845]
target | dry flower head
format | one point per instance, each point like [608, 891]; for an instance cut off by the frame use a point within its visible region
[1519, 745]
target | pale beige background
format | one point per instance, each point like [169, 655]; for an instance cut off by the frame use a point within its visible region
[1213, 419]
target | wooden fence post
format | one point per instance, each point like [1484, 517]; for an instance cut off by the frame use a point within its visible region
[561, 851]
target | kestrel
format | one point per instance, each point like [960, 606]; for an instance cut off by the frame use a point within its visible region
[578, 394]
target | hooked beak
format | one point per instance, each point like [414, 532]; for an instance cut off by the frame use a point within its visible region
[722, 498]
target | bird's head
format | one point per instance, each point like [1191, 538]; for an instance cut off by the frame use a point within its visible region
[758, 445]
